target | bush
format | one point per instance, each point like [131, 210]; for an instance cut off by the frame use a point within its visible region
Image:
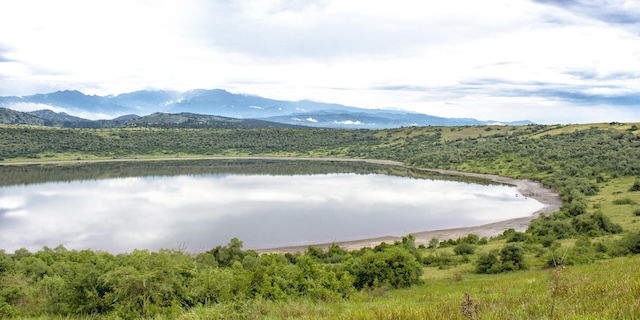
[636, 213]
[488, 263]
[440, 260]
[605, 223]
[623, 201]
[547, 241]
[635, 186]
[464, 248]
[631, 242]
[576, 207]
[512, 257]
[470, 239]
[394, 266]
[518, 237]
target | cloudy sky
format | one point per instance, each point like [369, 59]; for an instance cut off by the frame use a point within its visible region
[561, 61]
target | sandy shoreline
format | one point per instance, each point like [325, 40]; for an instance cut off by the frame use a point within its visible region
[547, 196]
[532, 189]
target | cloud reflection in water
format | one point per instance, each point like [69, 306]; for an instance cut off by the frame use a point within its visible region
[200, 212]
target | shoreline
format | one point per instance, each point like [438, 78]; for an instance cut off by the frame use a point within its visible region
[532, 189]
[548, 197]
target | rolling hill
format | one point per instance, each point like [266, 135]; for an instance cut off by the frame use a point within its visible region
[155, 120]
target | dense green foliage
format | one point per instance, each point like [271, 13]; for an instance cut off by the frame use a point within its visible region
[143, 283]
[38, 142]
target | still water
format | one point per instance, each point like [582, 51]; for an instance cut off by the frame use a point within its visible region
[198, 212]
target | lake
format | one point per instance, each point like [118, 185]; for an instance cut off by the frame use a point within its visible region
[198, 205]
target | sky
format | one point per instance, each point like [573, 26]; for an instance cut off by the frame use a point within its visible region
[563, 61]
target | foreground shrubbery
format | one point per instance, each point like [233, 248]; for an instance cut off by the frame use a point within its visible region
[142, 283]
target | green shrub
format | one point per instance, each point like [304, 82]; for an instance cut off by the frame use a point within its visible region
[631, 242]
[470, 239]
[440, 260]
[576, 207]
[547, 241]
[447, 243]
[636, 212]
[512, 257]
[464, 248]
[488, 263]
[635, 186]
[623, 201]
[605, 223]
[394, 266]
[518, 237]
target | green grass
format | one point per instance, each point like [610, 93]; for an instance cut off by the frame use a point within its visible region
[560, 129]
[581, 292]
[617, 190]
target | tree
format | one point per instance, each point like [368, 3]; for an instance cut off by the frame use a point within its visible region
[512, 257]
[226, 256]
[433, 243]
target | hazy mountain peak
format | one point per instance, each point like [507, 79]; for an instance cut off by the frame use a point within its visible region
[223, 103]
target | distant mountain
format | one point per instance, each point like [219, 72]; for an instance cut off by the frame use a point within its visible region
[9, 116]
[155, 120]
[192, 120]
[225, 104]
[377, 120]
[53, 116]
[126, 117]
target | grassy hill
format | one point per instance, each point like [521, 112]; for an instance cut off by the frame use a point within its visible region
[8, 116]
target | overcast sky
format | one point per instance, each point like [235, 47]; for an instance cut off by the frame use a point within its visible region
[547, 61]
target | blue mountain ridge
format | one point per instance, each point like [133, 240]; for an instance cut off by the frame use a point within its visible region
[220, 102]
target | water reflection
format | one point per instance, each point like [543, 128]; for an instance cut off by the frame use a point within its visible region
[200, 212]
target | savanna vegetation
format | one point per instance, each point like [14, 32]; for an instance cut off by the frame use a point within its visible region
[579, 262]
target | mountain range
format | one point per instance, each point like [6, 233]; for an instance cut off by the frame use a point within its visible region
[221, 103]
[154, 120]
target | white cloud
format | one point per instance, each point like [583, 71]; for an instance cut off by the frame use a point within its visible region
[28, 106]
[348, 122]
[207, 210]
[11, 202]
[332, 51]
